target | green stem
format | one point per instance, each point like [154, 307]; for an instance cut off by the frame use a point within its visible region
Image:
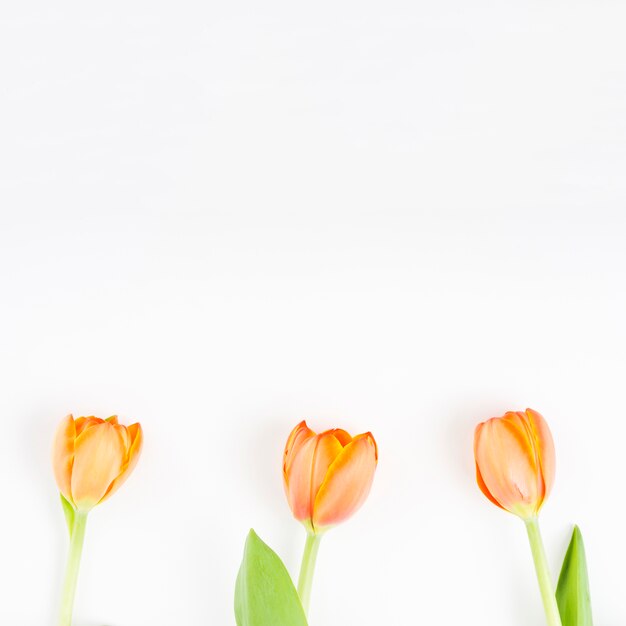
[305, 581]
[543, 572]
[77, 538]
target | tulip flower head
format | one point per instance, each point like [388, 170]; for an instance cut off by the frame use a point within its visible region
[93, 457]
[327, 476]
[515, 461]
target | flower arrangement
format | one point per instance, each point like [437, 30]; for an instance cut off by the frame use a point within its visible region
[327, 477]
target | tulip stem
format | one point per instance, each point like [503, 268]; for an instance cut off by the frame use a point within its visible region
[305, 581]
[77, 538]
[543, 572]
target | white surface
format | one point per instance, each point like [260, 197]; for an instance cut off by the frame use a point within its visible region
[221, 218]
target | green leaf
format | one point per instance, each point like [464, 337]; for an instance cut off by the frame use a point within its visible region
[264, 592]
[572, 593]
[68, 511]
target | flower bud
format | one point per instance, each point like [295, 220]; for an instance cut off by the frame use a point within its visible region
[515, 461]
[92, 457]
[327, 477]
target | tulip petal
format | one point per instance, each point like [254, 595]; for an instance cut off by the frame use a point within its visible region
[508, 464]
[521, 431]
[545, 447]
[135, 432]
[298, 478]
[297, 437]
[307, 471]
[479, 479]
[135, 436]
[63, 456]
[483, 488]
[123, 432]
[82, 423]
[328, 447]
[342, 436]
[535, 453]
[348, 482]
[98, 459]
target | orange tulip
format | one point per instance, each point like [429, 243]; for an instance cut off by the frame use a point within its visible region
[515, 461]
[92, 457]
[327, 476]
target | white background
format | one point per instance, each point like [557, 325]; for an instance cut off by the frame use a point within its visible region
[219, 218]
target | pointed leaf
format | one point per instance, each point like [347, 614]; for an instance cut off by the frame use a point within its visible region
[264, 592]
[68, 511]
[572, 593]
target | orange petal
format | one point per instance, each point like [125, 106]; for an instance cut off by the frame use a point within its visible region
[535, 455]
[308, 470]
[99, 456]
[123, 432]
[545, 448]
[86, 422]
[347, 483]
[479, 478]
[327, 449]
[298, 479]
[297, 437]
[135, 435]
[520, 429]
[507, 464]
[63, 456]
[135, 431]
[483, 488]
[342, 436]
